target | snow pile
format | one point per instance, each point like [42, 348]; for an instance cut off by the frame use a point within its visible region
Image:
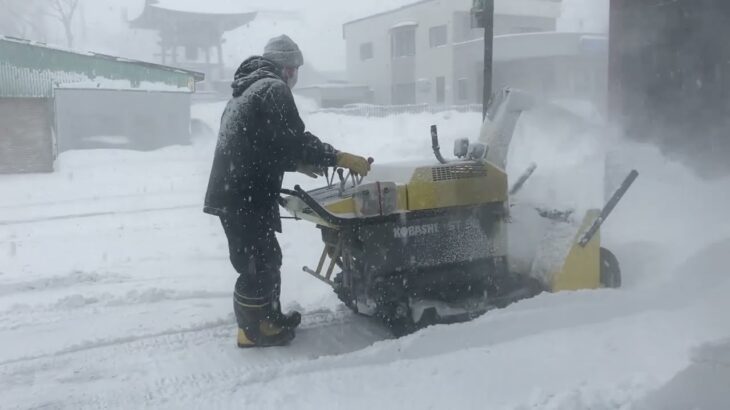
[703, 385]
[115, 290]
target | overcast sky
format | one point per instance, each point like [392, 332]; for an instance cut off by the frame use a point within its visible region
[101, 26]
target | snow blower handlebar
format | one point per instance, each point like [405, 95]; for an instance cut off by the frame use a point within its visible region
[316, 208]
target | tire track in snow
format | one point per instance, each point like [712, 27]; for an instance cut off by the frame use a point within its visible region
[106, 299]
[97, 199]
[311, 320]
[96, 215]
[62, 281]
[21, 316]
[245, 367]
[177, 366]
[91, 345]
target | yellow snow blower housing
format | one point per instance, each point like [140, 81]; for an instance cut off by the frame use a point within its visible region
[416, 245]
[439, 186]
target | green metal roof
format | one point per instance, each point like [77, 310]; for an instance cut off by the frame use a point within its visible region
[30, 69]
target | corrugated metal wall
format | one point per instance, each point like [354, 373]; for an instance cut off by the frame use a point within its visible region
[32, 70]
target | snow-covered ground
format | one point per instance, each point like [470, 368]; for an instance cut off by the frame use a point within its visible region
[115, 291]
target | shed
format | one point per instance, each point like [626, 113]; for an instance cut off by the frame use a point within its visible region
[53, 100]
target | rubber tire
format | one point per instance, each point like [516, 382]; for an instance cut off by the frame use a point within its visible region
[343, 294]
[610, 270]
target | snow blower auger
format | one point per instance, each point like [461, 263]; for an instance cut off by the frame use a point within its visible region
[419, 245]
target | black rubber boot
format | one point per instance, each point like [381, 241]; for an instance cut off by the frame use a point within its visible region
[290, 320]
[257, 325]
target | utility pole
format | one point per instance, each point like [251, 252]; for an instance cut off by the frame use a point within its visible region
[483, 11]
[488, 53]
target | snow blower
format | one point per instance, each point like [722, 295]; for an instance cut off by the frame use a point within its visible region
[426, 244]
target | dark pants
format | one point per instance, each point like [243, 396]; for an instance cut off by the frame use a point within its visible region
[256, 256]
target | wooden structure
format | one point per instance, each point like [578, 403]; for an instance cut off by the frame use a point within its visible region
[190, 35]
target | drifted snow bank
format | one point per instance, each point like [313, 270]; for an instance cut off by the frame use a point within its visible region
[703, 385]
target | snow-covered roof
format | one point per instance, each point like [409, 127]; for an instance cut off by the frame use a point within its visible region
[198, 76]
[170, 16]
[205, 6]
[530, 8]
[102, 83]
[544, 44]
[535, 45]
[33, 69]
[388, 11]
[409, 23]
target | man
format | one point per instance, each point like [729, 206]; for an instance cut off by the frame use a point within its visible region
[262, 137]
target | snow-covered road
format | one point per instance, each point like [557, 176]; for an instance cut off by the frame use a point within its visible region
[115, 292]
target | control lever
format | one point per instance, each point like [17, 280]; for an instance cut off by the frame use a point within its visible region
[343, 181]
[327, 177]
[356, 179]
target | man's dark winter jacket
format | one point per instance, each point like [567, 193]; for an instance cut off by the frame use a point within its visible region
[261, 137]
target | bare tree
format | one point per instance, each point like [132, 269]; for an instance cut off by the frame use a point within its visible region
[65, 11]
[22, 18]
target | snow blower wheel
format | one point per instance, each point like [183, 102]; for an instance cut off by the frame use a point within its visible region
[610, 270]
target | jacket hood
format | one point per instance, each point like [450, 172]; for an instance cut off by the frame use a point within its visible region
[252, 70]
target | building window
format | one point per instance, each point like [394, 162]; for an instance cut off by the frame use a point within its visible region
[366, 51]
[440, 90]
[404, 94]
[463, 30]
[438, 36]
[462, 85]
[403, 41]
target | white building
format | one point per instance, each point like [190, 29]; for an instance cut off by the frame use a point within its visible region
[428, 52]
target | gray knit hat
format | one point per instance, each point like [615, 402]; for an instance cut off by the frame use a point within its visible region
[284, 51]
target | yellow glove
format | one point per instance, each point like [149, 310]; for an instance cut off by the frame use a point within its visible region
[357, 165]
